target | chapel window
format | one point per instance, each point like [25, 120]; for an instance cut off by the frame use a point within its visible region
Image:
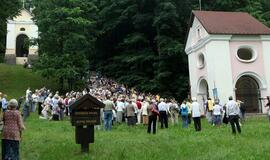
[246, 54]
[201, 61]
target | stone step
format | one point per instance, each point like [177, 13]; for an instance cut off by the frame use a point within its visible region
[255, 114]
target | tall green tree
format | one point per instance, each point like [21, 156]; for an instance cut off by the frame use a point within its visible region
[8, 9]
[144, 44]
[66, 37]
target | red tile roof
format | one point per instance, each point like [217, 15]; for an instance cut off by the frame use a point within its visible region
[239, 23]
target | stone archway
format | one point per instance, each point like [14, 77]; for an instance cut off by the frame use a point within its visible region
[248, 91]
[22, 45]
[203, 89]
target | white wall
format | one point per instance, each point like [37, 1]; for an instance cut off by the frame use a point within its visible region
[193, 39]
[266, 54]
[23, 20]
[219, 69]
[11, 36]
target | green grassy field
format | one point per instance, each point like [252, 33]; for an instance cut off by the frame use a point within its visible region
[49, 140]
[14, 80]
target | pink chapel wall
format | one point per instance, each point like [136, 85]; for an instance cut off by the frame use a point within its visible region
[201, 73]
[239, 67]
[255, 69]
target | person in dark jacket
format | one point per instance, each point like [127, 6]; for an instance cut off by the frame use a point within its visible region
[152, 111]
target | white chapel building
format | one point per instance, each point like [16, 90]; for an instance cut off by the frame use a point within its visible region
[229, 55]
[20, 30]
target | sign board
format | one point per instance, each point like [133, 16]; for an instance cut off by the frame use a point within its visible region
[86, 111]
[215, 93]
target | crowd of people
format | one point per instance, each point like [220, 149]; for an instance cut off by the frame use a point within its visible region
[122, 106]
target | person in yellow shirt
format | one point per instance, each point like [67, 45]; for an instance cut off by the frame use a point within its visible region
[209, 110]
[157, 97]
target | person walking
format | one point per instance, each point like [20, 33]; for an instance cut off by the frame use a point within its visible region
[233, 112]
[242, 110]
[12, 131]
[196, 114]
[217, 112]
[209, 110]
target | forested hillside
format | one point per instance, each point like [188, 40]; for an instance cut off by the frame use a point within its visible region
[139, 43]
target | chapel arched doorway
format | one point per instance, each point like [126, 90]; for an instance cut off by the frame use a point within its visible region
[203, 90]
[22, 45]
[248, 91]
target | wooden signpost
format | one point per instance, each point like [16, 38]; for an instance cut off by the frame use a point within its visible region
[85, 113]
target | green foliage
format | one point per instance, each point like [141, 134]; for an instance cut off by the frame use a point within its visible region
[67, 36]
[143, 45]
[8, 9]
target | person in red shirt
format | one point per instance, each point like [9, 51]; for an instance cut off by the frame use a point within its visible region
[139, 113]
[13, 126]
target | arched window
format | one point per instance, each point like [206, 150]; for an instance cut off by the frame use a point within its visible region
[22, 29]
[201, 61]
[246, 54]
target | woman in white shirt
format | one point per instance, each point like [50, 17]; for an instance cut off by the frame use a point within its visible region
[217, 112]
[196, 114]
[145, 105]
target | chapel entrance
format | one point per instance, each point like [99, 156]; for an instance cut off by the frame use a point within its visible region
[203, 90]
[247, 90]
[22, 46]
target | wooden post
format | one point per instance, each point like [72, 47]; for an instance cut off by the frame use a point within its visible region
[85, 147]
[85, 114]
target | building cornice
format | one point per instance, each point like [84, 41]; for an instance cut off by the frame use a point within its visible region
[206, 40]
[265, 37]
[21, 22]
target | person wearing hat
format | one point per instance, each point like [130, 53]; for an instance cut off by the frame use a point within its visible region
[12, 129]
